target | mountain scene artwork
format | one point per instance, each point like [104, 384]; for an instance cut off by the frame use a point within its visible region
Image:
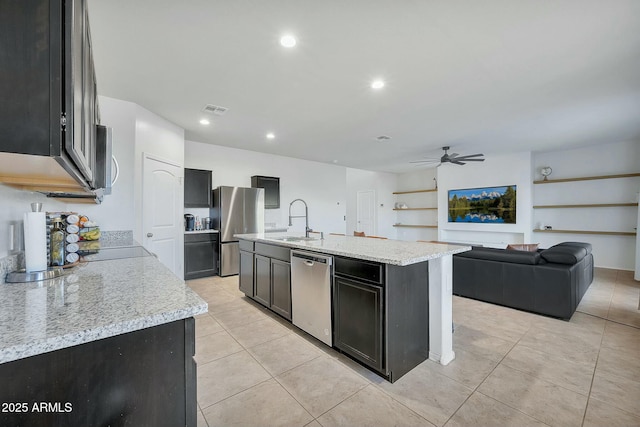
[489, 205]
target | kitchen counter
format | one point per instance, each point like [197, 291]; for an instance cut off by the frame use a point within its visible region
[201, 231]
[92, 301]
[386, 251]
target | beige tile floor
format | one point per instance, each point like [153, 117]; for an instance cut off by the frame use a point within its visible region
[511, 369]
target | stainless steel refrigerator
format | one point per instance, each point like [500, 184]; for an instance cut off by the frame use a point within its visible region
[236, 210]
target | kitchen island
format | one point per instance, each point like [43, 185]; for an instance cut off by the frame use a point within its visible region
[411, 282]
[109, 343]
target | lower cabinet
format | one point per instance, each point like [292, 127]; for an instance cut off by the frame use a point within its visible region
[265, 276]
[200, 255]
[262, 278]
[141, 378]
[281, 288]
[246, 273]
[358, 320]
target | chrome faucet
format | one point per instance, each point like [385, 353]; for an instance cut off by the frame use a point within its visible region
[306, 216]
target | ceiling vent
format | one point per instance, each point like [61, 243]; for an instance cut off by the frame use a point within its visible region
[382, 138]
[215, 109]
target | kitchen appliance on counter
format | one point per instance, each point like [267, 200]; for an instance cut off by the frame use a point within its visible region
[189, 222]
[236, 210]
[311, 294]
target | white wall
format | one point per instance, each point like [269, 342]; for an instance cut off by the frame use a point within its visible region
[496, 170]
[384, 184]
[609, 159]
[419, 180]
[321, 185]
[116, 210]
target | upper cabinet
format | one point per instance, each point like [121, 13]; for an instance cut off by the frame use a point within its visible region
[49, 96]
[197, 188]
[271, 187]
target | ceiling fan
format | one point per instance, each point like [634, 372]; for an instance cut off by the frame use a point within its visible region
[454, 158]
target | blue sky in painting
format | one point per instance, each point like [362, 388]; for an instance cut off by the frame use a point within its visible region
[480, 193]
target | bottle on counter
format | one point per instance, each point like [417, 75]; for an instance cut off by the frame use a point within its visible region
[57, 242]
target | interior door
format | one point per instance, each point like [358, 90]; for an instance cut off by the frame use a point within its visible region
[162, 223]
[366, 212]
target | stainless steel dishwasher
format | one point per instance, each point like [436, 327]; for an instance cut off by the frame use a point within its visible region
[311, 294]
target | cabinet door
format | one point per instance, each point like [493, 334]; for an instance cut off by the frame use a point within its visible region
[281, 288]
[199, 258]
[271, 187]
[358, 320]
[262, 280]
[246, 273]
[197, 188]
[79, 144]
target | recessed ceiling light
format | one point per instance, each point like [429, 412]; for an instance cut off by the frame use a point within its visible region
[335, 161]
[204, 122]
[377, 84]
[288, 40]
[270, 135]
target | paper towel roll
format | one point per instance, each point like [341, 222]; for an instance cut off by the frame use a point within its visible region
[35, 241]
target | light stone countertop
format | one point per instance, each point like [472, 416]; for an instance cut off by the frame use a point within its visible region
[92, 301]
[208, 230]
[386, 251]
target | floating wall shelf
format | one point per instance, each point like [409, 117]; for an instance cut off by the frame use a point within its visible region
[587, 178]
[606, 233]
[415, 226]
[413, 209]
[415, 191]
[594, 205]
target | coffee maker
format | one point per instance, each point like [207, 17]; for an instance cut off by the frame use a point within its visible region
[189, 222]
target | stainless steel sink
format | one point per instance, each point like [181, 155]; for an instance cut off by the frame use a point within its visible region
[294, 238]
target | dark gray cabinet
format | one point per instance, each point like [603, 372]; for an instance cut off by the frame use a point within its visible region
[200, 255]
[281, 288]
[271, 187]
[246, 273]
[48, 87]
[141, 378]
[381, 316]
[262, 278]
[265, 275]
[359, 310]
[197, 188]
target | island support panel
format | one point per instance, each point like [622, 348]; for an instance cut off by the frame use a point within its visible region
[441, 310]
[407, 325]
[141, 378]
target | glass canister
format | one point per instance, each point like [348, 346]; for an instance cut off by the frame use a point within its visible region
[57, 243]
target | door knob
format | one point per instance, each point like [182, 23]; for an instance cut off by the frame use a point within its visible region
[149, 234]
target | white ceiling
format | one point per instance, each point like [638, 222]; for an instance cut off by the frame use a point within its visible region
[480, 76]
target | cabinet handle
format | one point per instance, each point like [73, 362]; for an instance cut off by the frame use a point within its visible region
[149, 234]
[309, 263]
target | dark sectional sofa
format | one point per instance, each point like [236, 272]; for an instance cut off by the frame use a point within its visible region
[548, 281]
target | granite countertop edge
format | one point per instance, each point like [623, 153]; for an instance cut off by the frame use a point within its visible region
[112, 306]
[418, 249]
[46, 345]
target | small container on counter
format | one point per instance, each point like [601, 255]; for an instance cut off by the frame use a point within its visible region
[72, 247]
[72, 238]
[73, 228]
[73, 219]
[72, 257]
[56, 253]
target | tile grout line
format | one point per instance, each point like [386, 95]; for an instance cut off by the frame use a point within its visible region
[593, 376]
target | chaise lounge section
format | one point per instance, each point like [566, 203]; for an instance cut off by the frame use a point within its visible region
[549, 281]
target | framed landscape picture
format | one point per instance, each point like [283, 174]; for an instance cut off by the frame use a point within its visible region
[488, 205]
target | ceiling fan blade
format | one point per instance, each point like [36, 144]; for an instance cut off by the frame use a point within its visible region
[454, 155]
[471, 160]
[457, 162]
[472, 155]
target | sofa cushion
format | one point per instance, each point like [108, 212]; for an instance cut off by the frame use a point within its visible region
[501, 255]
[528, 247]
[586, 246]
[563, 254]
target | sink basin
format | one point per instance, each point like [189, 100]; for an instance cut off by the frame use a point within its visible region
[294, 238]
